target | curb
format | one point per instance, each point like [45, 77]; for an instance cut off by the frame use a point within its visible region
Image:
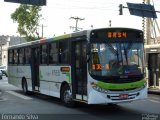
[0, 94]
[154, 92]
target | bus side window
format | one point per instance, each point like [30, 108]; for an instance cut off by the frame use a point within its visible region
[15, 59]
[64, 52]
[53, 53]
[10, 57]
[21, 55]
[43, 54]
[27, 55]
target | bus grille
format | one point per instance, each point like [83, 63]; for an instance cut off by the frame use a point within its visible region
[117, 97]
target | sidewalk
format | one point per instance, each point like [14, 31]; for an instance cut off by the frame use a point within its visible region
[1, 94]
[154, 91]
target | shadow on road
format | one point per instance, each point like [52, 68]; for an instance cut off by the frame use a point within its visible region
[106, 112]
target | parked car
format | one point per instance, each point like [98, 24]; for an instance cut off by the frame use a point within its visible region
[3, 69]
[1, 75]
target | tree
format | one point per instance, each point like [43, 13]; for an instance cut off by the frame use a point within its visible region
[27, 17]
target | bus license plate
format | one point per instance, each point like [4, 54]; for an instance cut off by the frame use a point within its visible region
[123, 96]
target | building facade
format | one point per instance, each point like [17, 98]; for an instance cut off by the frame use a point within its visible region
[5, 42]
[152, 53]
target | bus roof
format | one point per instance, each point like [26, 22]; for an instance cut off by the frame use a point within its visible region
[65, 36]
[57, 38]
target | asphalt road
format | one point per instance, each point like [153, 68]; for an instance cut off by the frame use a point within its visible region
[14, 103]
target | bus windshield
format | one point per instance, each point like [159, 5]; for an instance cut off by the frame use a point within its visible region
[116, 59]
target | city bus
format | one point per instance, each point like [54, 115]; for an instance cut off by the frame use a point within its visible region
[97, 66]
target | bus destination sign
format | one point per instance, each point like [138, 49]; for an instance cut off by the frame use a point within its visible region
[116, 35]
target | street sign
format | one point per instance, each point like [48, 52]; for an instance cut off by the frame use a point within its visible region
[31, 2]
[142, 10]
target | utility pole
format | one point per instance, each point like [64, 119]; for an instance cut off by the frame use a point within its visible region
[91, 26]
[43, 30]
[144, 27]
[151, 35]
[110, 23]
[151, 25]
[77, 19]
[148, 27]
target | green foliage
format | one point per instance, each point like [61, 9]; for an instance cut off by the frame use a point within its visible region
[27, 17]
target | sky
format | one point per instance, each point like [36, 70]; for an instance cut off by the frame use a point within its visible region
[56, 16]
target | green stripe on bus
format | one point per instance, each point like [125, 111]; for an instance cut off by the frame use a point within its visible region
[121, 86]
[62, 37]
[69, 77]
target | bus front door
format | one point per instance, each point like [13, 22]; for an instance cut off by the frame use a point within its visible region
[79, 71]
[35, 68]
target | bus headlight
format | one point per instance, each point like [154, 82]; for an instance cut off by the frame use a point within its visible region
[99, 89]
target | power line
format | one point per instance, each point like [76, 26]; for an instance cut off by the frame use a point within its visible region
[97, 5]
[84, 3]
[91, 2]
[83, 7]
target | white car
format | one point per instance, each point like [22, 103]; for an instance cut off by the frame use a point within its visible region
[3, 69]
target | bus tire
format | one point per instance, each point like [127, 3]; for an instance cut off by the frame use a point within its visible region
[66, 96]
[25, 87]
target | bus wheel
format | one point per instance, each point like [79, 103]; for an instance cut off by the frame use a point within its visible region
[25, 87]
[66, 96]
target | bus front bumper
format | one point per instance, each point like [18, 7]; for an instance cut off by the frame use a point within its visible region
[95, 97]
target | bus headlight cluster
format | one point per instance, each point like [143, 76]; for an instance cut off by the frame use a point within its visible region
[99, 89]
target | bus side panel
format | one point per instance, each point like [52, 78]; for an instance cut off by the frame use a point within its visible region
[12, 75]
[44, 82]
[51, 78]
[16, 73]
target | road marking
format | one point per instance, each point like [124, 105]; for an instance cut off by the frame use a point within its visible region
[2, 99]
[19, 95]
[155, 101]
[154, 98]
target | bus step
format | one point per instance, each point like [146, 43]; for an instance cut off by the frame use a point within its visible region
[36, 88]
[36, 91]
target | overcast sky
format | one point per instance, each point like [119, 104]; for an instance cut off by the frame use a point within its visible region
[57, 13]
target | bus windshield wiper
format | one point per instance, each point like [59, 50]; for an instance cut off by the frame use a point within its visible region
[114, 51]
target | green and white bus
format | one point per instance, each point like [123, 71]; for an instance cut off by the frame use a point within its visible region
[97, 66]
